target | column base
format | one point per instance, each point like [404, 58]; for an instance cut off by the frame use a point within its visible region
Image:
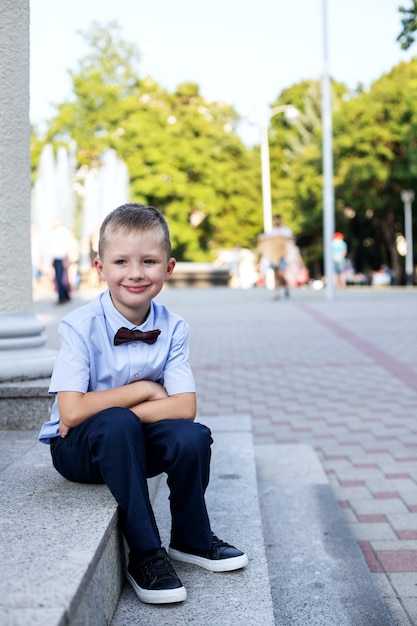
[23, 355]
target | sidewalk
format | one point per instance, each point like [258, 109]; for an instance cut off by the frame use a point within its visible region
[340, 376]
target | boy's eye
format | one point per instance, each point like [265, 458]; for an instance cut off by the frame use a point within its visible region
[149, 261]
[120, 262]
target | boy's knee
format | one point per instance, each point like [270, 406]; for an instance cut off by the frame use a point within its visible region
[194, 435]
[117, 420]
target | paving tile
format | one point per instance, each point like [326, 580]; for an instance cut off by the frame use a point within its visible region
[370, 557]
[372, 519]
[384, 584]
[398, 561]
[404, 584]
[407, 535]
[352, 483]
[397, 484]
[368, 532]
[398, 544]
[373, 507]
[402, 521]
[385, 495]
[352, 493]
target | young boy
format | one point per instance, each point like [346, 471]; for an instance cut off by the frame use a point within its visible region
[126, 405]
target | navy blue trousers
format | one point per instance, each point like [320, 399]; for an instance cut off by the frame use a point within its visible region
[61, 279]
[115, 448]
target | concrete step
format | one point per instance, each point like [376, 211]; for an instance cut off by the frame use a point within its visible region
[317, 572]
[62, 556]
[217, 599]
[59, 542]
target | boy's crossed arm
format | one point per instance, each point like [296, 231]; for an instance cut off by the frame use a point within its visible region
[141, 396]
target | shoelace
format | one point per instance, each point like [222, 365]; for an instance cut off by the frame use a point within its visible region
[217, 546]
[157, 568]
[218, 543]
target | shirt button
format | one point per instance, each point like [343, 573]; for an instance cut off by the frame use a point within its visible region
[135, 375]
[133, 344]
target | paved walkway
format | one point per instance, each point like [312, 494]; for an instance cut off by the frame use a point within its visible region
[340, 376]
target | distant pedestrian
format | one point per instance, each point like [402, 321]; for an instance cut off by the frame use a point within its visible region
[274, 246]
[339, 252]
[61, 243]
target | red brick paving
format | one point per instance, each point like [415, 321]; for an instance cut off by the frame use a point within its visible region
[398, 560]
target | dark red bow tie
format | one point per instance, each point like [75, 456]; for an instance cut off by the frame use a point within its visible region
[124, 335]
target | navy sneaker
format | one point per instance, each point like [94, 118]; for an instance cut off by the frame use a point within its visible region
[222, 557]
[155, 581]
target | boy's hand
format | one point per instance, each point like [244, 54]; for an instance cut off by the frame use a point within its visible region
[63, 430]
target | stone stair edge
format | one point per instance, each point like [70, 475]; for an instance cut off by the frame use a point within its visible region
[233, 598]
[101, 558]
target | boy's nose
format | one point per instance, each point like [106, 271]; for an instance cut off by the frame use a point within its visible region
[136, 272]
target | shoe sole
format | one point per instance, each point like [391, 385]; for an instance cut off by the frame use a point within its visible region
[220, 565]
[157, 596]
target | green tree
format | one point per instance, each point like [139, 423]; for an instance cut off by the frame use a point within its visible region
[182, 152]
[409, 25]
[375, 158]
[296, 166]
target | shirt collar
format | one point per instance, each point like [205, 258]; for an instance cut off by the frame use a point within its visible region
[116, 320]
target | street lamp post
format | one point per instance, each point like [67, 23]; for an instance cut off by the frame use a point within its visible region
[328, 191]
[291, 113]
[407, 196]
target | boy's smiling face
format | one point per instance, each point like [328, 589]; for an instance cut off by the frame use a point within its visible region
[135, 267]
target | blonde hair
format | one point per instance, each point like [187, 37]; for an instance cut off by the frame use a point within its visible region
[131, 217]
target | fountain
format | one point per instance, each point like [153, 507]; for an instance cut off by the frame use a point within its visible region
[55, 196]
[104, 189]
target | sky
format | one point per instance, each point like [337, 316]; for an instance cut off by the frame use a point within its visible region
[240, 51]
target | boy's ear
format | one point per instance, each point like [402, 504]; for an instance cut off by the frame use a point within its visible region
[99, 267]
[170, 268]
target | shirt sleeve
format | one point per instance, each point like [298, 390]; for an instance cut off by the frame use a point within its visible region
[178, 376]
[72, 366]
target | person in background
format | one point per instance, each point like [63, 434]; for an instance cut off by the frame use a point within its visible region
[274, 246]
[339, 252]
[60, 248]
[74, 277]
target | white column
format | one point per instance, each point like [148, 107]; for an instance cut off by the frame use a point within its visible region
[291, 114]
[22, 345]
[266, 179]
[407, 196]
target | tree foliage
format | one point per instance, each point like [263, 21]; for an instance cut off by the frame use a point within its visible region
[376, 157]
[181, 151]
[374, 146]
[409, 25]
